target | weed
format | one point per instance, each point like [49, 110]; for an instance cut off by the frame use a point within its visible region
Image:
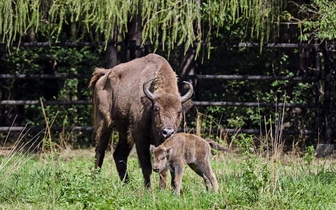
[245, 142]
[309, 155]
[255, 177]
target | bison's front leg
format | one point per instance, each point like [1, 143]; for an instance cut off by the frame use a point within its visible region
[145, 163]
[120, 156]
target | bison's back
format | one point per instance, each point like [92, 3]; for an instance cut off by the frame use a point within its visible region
[133, 74]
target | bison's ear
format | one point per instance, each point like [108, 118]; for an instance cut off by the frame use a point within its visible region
[146, 102]
[151, 148]
[187, 105]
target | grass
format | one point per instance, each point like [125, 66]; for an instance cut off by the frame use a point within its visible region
[67, 181]
[249, 179]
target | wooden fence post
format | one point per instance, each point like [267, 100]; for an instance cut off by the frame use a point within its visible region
[327, 95]
[318, 101]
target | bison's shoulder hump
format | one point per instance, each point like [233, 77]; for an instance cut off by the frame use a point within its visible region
[155, 58]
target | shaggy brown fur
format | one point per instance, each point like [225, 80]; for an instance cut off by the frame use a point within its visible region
[140, 100]
[181, 149]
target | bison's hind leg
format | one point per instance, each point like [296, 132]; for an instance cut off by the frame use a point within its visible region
[102, 103]
[102, 136]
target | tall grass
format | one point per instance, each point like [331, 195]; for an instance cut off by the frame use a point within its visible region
[17, 154]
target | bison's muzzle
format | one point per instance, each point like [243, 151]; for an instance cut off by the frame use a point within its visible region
[167, 132]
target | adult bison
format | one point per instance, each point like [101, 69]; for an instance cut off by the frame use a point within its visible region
[139, 99]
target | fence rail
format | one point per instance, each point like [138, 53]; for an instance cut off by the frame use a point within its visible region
[204, 77]
[44, 76]
[189, 130]
[37, 102]
[196, 103]
[251, 77]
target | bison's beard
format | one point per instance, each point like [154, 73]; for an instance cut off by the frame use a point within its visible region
[156, 136]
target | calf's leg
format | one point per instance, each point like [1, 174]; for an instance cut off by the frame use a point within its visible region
[172, 173]
[211, 176]
[195, 168]
[204, 170]
[178, 170]
[163, 179]
[207, 172]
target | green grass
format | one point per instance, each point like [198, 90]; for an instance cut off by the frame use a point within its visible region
[68, 181]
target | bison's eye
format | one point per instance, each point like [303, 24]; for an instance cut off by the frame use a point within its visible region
[156, 108]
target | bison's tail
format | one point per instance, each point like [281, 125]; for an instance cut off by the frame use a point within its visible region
[98, 72]
[215, 145]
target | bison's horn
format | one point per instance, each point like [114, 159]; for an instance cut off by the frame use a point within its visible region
[146, 90]
[189, 93]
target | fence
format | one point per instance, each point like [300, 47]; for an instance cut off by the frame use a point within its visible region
[323, 123]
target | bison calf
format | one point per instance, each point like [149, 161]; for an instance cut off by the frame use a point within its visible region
[181, 149]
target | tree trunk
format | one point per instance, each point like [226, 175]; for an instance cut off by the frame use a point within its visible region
[133, 38]
[112, 50]
[188, 66]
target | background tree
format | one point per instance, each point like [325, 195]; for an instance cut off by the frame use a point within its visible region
[179, 22]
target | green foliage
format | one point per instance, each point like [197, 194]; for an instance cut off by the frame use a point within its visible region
[255, 177]
[188, 22]
[176, 22]
[245, 142]
[52, 60]
[320, 23]
[272, 62]
[309, 155]
[236, 122]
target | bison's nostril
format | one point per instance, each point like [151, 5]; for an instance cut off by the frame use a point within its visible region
[166, 132]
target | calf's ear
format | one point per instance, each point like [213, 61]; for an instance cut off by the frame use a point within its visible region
[169, 151]
[151, 148]
[187, 105]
